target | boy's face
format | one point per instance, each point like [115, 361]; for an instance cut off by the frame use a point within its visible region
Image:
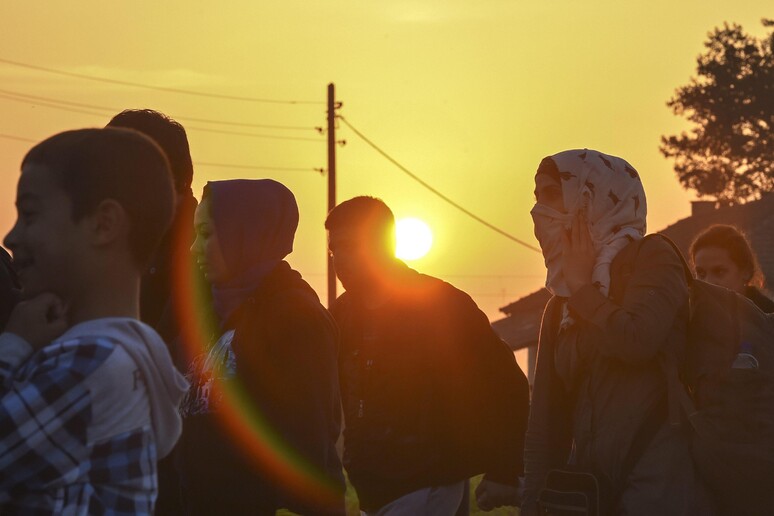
[47, 245]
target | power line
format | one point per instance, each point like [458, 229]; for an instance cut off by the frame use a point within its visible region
[493, 276]
[475, 276]
[197, 163]
[107, 109]
[155, 87]
[253, 135]
[188, 127]
[18, 138]
[52, 106]
[254, 167]
[436, 192]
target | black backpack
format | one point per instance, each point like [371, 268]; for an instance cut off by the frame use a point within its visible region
[725, 387]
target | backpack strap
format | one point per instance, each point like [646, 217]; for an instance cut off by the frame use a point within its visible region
[678, 400]
[678, 395]
[686, 268]
[654, 419]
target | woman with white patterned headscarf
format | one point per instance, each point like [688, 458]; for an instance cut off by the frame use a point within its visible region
[600, 397]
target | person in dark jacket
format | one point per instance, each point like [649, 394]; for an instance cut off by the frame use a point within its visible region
[722, 255]
[431, 395]
[262, 417]
[170, 267]
[157, 307]
[599, 384]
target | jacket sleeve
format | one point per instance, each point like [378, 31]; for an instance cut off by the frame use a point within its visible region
[549, 435]
[486, 394]
[635, 330]
[295, 386]
[44, 415]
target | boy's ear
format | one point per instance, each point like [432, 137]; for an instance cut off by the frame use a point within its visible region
[109, 222]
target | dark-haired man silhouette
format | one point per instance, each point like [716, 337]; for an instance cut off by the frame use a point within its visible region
[157, 306]
[431, 395]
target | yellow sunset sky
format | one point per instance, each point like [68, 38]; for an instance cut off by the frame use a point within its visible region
[469, 95]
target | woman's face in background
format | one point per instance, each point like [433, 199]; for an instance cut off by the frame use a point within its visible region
[206, 247]
[714, 265]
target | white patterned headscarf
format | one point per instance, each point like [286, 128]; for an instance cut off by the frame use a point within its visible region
[611, 193]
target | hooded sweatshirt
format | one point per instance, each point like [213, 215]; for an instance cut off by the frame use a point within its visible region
[85, 419]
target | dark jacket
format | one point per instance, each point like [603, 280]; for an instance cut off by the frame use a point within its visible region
[431, 395]
[172, 269]
[614, 347]
[287, 411]
[170, 266]
[760, 299]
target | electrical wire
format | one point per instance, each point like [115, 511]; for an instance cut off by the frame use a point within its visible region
[188, 127]
[52, 106]
[18, 138]
[197, 163]
[253, 135]
[493, 276]
[155, 87]
[435, 191]
[112, 110]
[254, 167]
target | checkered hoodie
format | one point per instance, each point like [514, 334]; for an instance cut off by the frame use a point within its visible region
[84, 420]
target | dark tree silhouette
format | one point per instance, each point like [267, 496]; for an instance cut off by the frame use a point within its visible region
[729, 153]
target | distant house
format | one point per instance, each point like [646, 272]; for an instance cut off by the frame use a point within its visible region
[521, 324]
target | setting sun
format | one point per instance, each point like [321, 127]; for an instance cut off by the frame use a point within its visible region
[414, 239]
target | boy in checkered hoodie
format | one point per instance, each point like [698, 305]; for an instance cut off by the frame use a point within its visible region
[88, 394]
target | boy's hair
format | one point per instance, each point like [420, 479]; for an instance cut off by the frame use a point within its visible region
[92, 165]
[168, 134]
[369, 216]
[736, 245]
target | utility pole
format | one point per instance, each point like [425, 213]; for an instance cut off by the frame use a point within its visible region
[331, 183]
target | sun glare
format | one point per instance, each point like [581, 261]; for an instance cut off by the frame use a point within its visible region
[414, 239]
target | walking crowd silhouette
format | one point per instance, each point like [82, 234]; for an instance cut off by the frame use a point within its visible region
[159, 355]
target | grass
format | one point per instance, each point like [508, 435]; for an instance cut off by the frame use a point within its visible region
[501, 511]
[353, 505]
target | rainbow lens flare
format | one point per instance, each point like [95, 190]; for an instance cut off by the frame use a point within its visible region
[250, 429]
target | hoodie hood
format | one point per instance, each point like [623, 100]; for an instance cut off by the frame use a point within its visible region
[165, 385]
[256, 221]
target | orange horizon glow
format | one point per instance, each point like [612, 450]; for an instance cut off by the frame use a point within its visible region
[468, 96]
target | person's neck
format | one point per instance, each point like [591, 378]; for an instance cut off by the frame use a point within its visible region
[376, 297]
[379, 290]
[116, 298]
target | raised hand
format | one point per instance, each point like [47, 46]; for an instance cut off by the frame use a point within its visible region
[38, 320]
[578, 254]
